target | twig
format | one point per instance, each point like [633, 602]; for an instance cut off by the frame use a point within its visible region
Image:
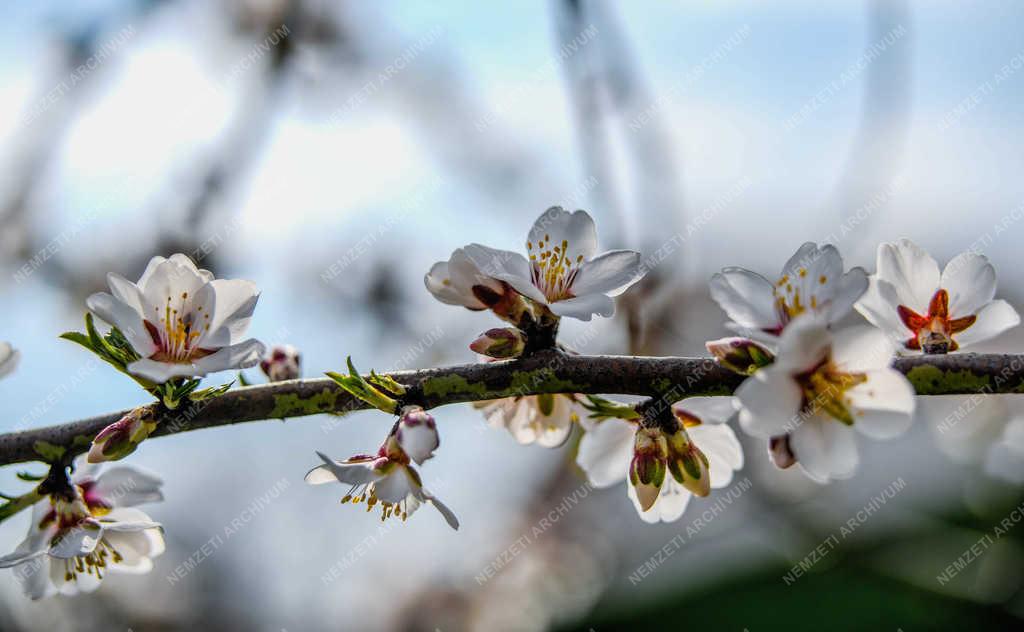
[542, 372]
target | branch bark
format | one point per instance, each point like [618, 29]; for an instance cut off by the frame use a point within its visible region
[543, 372]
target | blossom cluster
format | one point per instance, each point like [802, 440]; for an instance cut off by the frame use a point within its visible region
[811, 385]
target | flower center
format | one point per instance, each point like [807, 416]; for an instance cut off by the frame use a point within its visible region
[789, 301]
[180, 326]
[552, 270]
[933, 332]
[825, 388]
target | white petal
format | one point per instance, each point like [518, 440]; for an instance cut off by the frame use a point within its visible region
[452, 281]
[583, 307]
[883, 406]
[825, 449]
[848, 291]
[861, 349]
[505, 265]
[125, 486]
[33, 546]
[1006, 464]
[710, 410]
[913, 273]
[746, 297]
[396, 485]
[611, 273]
[232, 302]
[9, 357]
[349, 473]
[879, 307]
[719, 443]
[127, 519]
[124, 317]
[556, 225]
[237, 356]
[34, 577]
[79, 540]
[606, 451]
[992, 320]
[770, 402]
[170, 279]
[803, 344]
[448, 514]
[970, 281]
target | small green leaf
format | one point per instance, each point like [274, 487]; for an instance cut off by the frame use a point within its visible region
[28, 477]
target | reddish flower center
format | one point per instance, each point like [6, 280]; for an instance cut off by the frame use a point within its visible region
[934, 332]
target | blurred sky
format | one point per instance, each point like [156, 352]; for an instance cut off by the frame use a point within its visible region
[421, 166]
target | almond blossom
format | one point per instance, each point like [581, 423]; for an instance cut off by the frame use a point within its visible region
[180, 320]
[811, 281]
[820, 388]
[664, 470]
[388, 478]
[912, 302]
[9, 357]
[562, 270]
[542, 419]
[79, 535]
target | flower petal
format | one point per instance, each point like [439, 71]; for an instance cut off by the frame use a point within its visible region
[804, 344]
[770, 403]
[583, 307]
[848, 291]
[78, 540]
[396, 485]
[912, 271]
[448, 514]
[237, 356]
[606, 451]
[125, 486]
[611, 274]
[746, 297]
[719, 443]
[505, 265]
[557, 226]
[231, 303]
[861, 349]
[879, 306]
[970, 280]
[349, 473]
[883, 406]
[121, 315]
[992, 320]
[825, 449]
[710, 410]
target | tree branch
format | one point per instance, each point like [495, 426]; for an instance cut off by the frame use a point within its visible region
[543, 372]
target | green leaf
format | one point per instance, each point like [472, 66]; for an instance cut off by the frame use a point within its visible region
[80, 338]
[28, 477]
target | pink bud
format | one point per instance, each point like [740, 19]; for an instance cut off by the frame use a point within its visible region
[500, 343]
[417, 434]
[282, 362]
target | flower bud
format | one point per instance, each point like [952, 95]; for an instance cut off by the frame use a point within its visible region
[120, 438]
[416, 433]
[647, 470]
[283, 362]
[689, 466]
[741, 355]
[500, 343]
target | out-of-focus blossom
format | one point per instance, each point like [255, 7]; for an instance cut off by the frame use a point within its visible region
[9, 357]
[1005, 459]
[542, 419]
[78, 536]
[563, 271]
[664, 470]
[820, 388]
[180, 320]
[282, 362]
[811, 281]
[912, 302]
[387, 479]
